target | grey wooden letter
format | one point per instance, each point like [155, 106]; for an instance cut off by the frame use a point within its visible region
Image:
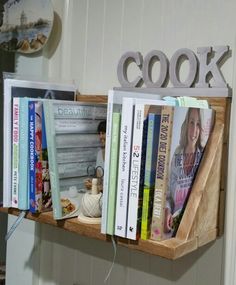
[148, 62]
[174, 70]
[212, 67]
[123, 64]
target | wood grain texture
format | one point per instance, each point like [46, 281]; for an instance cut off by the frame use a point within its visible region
[203, 218]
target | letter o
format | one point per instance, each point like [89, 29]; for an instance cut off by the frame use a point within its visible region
[174, 73]
[152, 56]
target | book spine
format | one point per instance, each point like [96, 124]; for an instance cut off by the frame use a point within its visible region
[51, 147]
[107, 162]
[23, 167]
[46, 186]
[32, 161]
[135, 170]
[15, 152]
[124, 166]
[38, 156]
[161, 183]
[149, 178]
[113, 172]
[79, 111]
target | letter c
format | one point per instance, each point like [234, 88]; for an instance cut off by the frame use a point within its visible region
[123, 64]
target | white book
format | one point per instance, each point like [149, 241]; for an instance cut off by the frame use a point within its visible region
[115, 98]
[24, 88]
[15, 152]
[137, 157]
[124, 166]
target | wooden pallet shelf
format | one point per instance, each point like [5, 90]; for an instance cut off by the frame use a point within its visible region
[203, 219]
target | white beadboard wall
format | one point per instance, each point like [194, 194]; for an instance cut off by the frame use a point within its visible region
[87, 41]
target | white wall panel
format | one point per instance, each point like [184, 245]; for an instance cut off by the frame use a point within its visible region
[94, 34]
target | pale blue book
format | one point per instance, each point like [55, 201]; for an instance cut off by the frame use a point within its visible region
[23, 195]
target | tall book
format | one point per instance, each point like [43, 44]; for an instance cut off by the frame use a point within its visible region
[184, 133]
[115, 141]
[58, 141]
[24, 88]
[124, 166]
[115, 98]
[153, 132]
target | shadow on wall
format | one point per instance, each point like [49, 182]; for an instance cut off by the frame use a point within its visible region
[95, 257]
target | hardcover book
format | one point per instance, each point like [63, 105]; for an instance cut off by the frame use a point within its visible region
[183, 137]
[24, 88]
[66, 174]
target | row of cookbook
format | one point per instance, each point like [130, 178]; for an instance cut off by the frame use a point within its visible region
[49, 144]
[153, 152]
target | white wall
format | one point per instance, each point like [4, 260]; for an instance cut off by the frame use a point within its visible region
[94, 35]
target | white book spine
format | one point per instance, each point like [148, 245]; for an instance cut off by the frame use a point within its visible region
[135, 168]
[107, 162]
[124, 167]
[15, 152]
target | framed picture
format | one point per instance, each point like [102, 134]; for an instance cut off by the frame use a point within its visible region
[25, 25]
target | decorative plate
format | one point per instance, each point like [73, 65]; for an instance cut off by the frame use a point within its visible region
[25, 25]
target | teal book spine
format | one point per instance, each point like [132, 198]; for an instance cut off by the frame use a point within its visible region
[52, 158]
[23, 154]
[115, 141]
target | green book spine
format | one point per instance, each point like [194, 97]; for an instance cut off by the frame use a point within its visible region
[115, 141]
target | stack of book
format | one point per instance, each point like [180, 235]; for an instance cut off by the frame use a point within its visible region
[153, 151]
[50, 141]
